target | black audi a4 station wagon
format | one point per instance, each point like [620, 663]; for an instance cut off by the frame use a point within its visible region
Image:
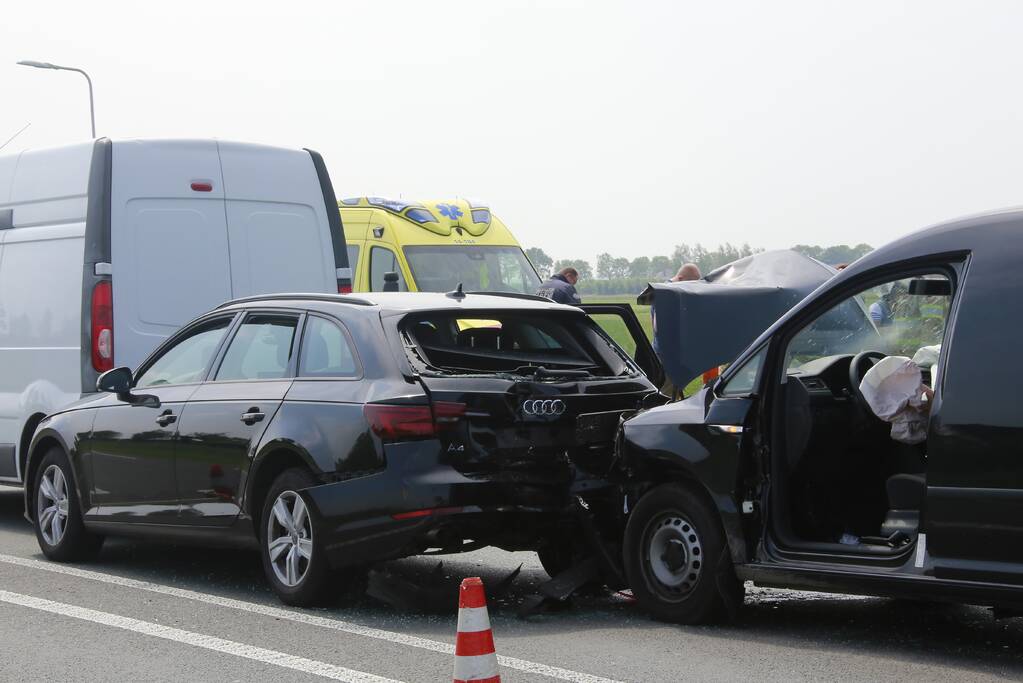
[334, 431]
[781, 473]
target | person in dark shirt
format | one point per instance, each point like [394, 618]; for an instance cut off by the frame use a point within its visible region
[560, 288]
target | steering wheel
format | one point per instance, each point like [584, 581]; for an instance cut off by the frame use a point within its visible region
[858, 367]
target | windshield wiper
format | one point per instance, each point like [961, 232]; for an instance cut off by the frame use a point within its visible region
[539, 371]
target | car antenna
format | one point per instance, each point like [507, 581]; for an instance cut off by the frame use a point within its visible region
[457, 294]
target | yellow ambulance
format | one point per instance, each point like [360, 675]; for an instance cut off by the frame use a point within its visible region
[432, 246]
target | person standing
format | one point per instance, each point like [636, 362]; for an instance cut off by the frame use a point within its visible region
[882, 311]
[560, 288]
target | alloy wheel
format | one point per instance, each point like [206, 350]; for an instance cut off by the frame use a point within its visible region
[52, 505]
[674, 556]
[289, 538]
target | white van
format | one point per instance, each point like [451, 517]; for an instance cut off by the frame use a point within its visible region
[107, 247]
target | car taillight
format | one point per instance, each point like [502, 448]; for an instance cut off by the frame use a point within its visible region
[394, 423]
[344, 289]
[102, 326]
[446, 413]
[399, 422]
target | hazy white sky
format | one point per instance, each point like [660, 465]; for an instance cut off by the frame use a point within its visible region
[589, 126]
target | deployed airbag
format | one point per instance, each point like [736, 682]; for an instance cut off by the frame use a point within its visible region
[894, 390]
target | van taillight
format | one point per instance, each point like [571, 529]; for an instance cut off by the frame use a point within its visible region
[344, 289]
[392, 422]
[102, 327]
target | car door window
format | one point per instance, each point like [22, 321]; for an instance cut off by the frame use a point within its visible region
[616, 328]
[901, 317]
[326, 351]
[187, 360]
[631, 330]
[381, 261]
[744, 381]
[261, 349]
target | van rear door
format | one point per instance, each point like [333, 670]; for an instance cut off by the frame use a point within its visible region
[278, 224]
[168, 240]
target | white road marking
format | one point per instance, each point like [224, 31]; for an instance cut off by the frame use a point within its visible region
[177, 635]
[303, 618]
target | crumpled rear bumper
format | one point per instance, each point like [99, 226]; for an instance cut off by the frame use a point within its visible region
[356, 517]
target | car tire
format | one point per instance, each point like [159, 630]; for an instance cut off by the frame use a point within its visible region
[556, 557]
[676, 558]
[294, 561]
[57, 513]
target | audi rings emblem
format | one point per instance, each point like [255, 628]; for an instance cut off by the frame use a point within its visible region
[543, 407]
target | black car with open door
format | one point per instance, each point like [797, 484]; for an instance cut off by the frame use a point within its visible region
[780, 472]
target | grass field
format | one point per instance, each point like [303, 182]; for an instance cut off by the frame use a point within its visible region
[614, 326]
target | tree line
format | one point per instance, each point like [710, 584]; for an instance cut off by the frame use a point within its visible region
[619, 275]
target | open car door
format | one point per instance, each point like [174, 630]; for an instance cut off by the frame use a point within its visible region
[619, 321]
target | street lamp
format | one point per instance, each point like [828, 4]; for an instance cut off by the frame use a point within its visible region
[47, 65]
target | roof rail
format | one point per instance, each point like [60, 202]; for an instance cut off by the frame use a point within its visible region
[516, 295]
[313, 296]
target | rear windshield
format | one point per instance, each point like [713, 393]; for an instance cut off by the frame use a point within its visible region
[551, 344]
[477, 268]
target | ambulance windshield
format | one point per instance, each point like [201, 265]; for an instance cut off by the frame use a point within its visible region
[477, 268]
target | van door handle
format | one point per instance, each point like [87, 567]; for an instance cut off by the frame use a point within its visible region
[167, 418]
[252, 417]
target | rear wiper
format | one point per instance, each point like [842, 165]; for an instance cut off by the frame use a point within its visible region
[539, 371]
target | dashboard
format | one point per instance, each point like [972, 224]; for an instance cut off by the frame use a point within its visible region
[829, 376]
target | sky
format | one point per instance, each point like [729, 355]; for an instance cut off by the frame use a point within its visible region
[625, 127]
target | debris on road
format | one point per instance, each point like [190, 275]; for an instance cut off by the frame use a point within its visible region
[430, 595]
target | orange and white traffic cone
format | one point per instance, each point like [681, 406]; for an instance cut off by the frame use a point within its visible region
[475, 657]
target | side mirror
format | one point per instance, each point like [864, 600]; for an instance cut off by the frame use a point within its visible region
[117, 381]
[390, 282]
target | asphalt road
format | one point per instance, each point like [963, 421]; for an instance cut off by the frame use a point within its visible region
[147, 612]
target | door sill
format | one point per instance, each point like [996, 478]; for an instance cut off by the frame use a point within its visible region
[839, 553]
[892, 584]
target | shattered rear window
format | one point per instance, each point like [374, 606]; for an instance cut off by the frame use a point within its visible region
[510, 342]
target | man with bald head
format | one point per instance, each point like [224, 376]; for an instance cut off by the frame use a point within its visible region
[689, 271]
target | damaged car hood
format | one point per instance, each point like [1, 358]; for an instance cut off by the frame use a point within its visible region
[705, 323]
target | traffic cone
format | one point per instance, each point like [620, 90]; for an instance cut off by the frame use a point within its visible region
[475, 657]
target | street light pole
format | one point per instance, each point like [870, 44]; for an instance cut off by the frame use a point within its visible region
[47, 65]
